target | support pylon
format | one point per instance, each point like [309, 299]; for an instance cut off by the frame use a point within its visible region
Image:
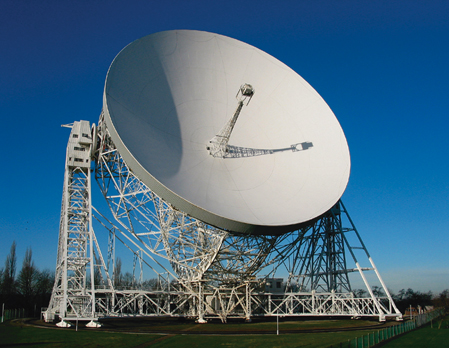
[321, 266]
[73, 295]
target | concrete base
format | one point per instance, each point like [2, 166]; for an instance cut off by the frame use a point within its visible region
[63, 323]
[93, 324]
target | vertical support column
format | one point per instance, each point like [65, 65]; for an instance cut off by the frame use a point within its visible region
[63, 249]
[91, 245]
[314, 311]
[248, 301]
[200, 309]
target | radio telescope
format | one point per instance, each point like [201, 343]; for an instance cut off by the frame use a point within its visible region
[168, 98]
[219, 159]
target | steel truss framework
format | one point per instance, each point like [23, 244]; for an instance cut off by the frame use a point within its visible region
[200, 271]
[79, 257]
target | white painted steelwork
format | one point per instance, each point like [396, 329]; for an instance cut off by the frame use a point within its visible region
[78, 256]
[168, 94]
[212, 273]
[219, 144]
[194, 249]
[165, 135]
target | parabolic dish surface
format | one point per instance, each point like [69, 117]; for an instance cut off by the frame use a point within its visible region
[168, 94]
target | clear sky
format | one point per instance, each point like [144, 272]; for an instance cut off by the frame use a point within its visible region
[382, 66]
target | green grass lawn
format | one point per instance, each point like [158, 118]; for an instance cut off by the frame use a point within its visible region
[310, 340]
[15, 334]
[19, 335]
[427, 336]
[257, 326]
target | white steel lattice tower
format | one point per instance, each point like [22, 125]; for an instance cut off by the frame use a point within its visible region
[73, 294]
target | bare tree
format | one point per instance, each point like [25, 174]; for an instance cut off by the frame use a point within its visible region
[118, 272]
[26, 283]
[127, 280]
[9, 273]
[442, 300]
[377, 291]
[359, 293]
[28, 277]
[150, 284]
[45, 281]
[400, 296]
[98, 279]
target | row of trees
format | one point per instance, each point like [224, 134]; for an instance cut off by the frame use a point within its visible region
[406, 298]
[30, 290]
[128, 280]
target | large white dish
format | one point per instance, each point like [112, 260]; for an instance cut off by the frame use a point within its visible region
[168, 94]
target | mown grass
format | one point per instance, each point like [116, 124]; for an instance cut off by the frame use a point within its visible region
[309, 340]
[19, 335]
[257, 326]
[429, 336]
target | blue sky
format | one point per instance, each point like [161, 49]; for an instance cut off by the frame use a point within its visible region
[382, 66]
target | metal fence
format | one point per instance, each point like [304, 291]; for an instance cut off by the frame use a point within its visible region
[9, 314]
[376, 337]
